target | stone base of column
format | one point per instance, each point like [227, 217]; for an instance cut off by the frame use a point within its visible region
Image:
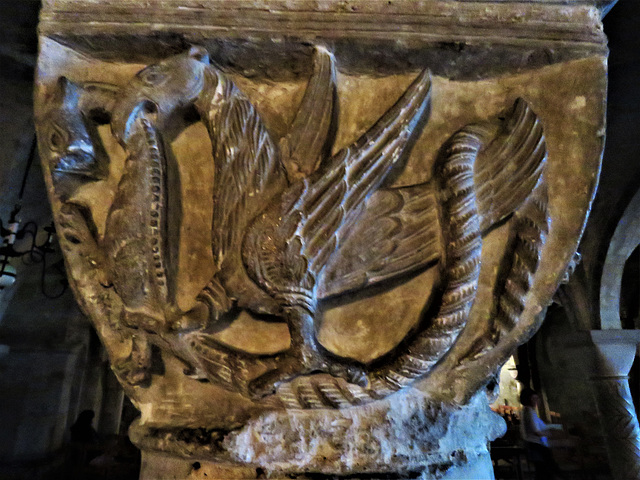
[157, 465]
[162, 466]
[404, 437]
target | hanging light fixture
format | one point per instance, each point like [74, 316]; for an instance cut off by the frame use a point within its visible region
[36, 253]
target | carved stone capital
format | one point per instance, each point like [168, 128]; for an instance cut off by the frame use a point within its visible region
[310, 232]
[615, 352]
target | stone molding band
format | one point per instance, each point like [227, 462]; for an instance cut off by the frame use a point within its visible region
[509, 23]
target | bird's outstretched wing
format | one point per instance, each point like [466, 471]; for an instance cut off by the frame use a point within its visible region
[398, 230]
[288, 249]
[397, 233]
[508, 168]
[310, 136]
[334, 193]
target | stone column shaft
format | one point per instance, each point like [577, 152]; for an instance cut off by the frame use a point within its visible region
[615, 352]
[619, 424]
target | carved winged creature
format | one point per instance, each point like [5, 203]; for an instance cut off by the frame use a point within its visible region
[294, 223]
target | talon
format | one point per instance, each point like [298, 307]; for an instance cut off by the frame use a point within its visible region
[310, 359]
[260, 388]
[134, 375]
[267, 383]
[358, 376]
[141, 320]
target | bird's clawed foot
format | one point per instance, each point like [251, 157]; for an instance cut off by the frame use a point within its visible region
[305, 362]
[267, 383]
[196, 318]
[351, 373]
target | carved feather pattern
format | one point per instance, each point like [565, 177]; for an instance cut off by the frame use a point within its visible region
[510, 166]
[286, 250]
[248, 174]
[401, 230]
[247, 164]
[401, 225]
[309, 136]
[356, 172]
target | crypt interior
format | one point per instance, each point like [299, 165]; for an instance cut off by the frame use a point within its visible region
[53, 365]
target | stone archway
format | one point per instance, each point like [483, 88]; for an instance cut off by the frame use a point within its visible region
[616, 350]
[624, 241]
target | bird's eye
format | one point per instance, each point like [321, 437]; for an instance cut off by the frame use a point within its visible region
[57, 139]
[152, 76]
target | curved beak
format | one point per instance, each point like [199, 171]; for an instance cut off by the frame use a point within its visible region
[164, 92]
[127, 112]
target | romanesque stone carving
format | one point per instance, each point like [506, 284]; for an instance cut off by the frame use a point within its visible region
[227, 236]
[295, 225]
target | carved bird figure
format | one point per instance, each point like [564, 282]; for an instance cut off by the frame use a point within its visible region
[274, 231]
[294, 224]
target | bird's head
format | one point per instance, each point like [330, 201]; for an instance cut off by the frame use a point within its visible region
[164, 92]
[69, 139]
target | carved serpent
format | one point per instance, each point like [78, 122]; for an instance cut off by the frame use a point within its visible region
[529, 227]
[460, 265]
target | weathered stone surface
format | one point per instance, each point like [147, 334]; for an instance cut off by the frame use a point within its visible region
[396, 436]
[158, 465]
[400, 434]
[310, 232]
